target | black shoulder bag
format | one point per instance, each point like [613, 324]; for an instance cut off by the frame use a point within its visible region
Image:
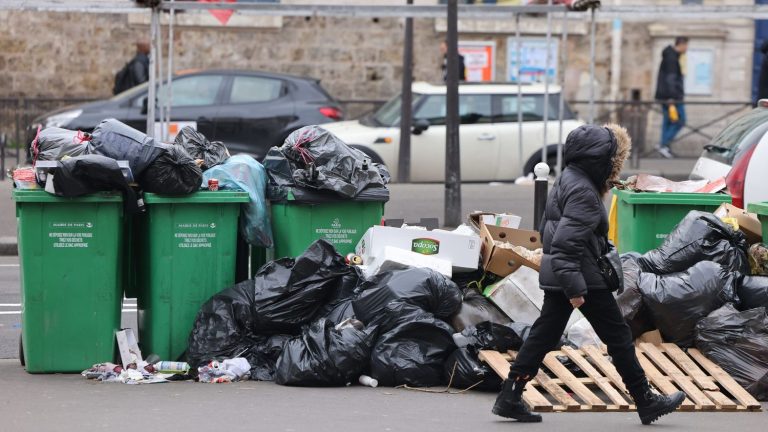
[609, 264]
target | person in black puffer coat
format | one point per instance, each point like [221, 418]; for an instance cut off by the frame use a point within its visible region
[574, 232]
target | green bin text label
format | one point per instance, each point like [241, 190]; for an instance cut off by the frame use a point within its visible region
[195, 235]
[70, 234]
[337, 234]
[425, 246]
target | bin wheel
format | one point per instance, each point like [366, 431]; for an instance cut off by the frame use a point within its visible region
[21, 352]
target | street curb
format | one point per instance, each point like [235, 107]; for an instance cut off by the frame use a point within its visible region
[8, 246]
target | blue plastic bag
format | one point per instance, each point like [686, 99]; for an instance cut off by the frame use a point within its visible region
[246, 173]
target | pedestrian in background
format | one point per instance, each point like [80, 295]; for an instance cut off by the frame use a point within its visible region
[462, 67]
[574, 232]
[136, 71]
[762, 83]
[670, 91]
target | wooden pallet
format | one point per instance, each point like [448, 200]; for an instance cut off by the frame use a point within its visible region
[669, 369]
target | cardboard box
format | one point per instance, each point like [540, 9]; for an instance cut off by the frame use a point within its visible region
[501, 261]
[749, 224]
[653, 337]
[505, 220]
[463, 251]
[396, 259]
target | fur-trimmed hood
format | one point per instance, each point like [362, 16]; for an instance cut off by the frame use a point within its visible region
[599, 152]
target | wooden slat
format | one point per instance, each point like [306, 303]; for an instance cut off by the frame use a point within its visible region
[557, 392]
[725, 380]
[554, 365]
[596, 355]
[722, 401]
[677, 376]
[662, 383]
[602, 382]
[704, 381]
[535, 400]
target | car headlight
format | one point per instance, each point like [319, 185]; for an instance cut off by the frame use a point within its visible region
[61, 119]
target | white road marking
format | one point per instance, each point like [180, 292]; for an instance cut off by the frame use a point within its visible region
[19, 312]
[9, 265]
[10, 304]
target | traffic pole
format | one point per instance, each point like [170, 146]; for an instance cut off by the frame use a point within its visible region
[452, 155]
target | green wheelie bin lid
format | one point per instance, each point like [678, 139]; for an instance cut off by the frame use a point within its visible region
[761, 209]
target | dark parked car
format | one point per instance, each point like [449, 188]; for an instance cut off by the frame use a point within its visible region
[249, 111]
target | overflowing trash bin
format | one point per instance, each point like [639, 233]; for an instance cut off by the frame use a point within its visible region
[185, 253]
[646, 218]
[71, 257]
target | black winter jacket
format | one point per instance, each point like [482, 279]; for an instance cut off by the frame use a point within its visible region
[575, 222]
[670, 83]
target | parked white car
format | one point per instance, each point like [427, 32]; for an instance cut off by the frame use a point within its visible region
[740, 154]
[488, 133]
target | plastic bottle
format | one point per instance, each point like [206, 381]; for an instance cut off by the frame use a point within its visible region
[172, 367]
[368, 381]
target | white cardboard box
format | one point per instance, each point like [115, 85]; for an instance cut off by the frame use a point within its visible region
[463, 251]
[396, 259]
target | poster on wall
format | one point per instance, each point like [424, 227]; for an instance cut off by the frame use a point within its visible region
[479, 59]
[533, 60]
[699, 71]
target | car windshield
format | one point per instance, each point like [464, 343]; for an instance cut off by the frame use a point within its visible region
[389, 114]
[736, 131]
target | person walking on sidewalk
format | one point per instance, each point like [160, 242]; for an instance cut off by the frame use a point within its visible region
[762, 82]
[670, 91]
[574, 232]
[462, 67]
[136, 71]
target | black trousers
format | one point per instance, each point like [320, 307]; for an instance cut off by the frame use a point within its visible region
[603, 313]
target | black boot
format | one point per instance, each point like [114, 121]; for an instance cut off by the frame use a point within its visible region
[510, 403]
[651, 406]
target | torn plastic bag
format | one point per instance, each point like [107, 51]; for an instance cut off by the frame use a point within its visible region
[678, 301]
[83, 175]
[738, 343]
[198, 147]
[314, 160]
[242, 172]
[412, 348]
[325, 356]
[284, 295]
[463, 370]
[174, 172]
[753, 292]
[698, 237]
[630, 301]
[476, 309]
[491, 336]
[54, 143]
[119, 141]
[422, 287]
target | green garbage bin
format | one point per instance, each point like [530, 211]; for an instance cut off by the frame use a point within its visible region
[296, 225]
[71, 255]
[185, 251]
[761, 209]
[646, 218]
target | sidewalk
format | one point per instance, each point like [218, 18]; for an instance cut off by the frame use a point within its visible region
[483, 196]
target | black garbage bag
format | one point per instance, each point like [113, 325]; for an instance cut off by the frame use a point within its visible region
[324, 356]
[339, 311]
[753, 292]
[283, 296]
[289, 292]
[475, 309]
[463, 370]
[54, 143]
[316, 165]
[698, 237]
[342, 292]
[212, 153]
[412, 348]
[262, 355]
[491, 336]
[87, 174]
[119, 141]
[738, 343]
[174, 172]
[678, 301]
[422, 287]
[630, 301]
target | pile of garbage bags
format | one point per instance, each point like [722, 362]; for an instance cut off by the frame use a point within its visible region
[698, 289]
[315, 166]
[316, 321]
